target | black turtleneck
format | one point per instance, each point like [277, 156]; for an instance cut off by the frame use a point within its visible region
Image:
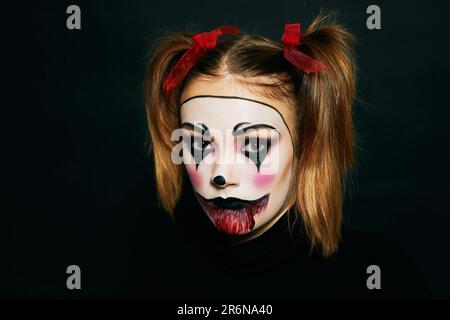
[196, 261]
[204, 264]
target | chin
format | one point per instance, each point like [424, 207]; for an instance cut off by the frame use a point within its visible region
[233, 216]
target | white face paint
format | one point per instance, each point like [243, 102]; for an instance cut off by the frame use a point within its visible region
[238, 154]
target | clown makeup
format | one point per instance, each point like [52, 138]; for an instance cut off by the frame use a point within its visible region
[238, 153]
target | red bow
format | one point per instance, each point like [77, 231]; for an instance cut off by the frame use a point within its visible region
[203, 42]
[291, 38]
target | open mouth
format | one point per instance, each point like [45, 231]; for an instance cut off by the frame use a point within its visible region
[233, 215]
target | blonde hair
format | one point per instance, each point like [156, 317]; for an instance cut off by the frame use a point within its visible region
[323, 137]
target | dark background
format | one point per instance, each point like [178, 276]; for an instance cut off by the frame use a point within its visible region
[78, 183]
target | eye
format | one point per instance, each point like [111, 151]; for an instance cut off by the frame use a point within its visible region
[255, 145]
[200, 144]
[200, 148]
[256, 149]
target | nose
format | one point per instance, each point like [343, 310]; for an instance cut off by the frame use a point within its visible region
[219, 180]
[225, 167]
[225, 176]
[223, 181]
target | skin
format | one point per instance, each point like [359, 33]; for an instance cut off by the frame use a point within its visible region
[245, 180]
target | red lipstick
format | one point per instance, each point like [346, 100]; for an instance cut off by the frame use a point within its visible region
[233, 215]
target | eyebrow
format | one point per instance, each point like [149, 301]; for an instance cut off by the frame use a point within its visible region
[194, 127]
[237, 131]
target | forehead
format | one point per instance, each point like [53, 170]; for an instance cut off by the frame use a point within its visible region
[226, 112]
[237, 86]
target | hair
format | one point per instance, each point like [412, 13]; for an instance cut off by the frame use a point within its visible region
[321, 102]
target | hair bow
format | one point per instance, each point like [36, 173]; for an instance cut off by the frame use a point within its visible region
[203, 42]
[291, 38]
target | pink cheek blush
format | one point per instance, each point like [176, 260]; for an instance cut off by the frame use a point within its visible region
[196, 178]
[263, 180]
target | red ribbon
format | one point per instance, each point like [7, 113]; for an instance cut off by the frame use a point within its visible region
[203, 42]
[291, 38]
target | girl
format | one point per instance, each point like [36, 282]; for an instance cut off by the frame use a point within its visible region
[264, 131]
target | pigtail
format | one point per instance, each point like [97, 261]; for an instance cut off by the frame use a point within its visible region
[163, 117]
[325, 134]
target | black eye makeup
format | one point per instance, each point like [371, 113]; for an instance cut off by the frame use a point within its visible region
[256, 149]
[199, 148]
[199, 142]
[253, 141]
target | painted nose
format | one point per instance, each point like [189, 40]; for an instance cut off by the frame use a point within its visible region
[224, 172]
[219, 180]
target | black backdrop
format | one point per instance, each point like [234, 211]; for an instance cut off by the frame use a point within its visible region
[79, 186]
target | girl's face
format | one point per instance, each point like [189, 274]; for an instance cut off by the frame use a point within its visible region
[238, 153]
